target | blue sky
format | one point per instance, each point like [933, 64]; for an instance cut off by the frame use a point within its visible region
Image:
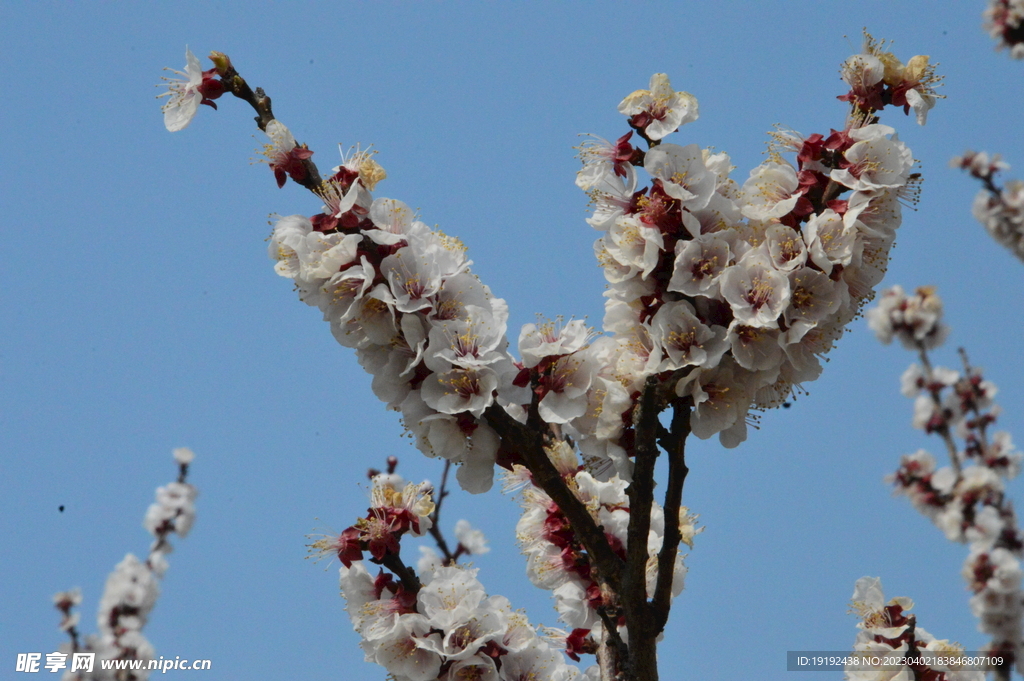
[140, 311]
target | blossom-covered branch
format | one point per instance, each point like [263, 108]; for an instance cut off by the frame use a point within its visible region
[722, 299]
[967, 502]
[890, 645]
[398, 508]
[440, 623]
[132, 588]
[999, 209]
[1004, 21]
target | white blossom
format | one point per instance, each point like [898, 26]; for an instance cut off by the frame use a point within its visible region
[666, 108]
[184, 95]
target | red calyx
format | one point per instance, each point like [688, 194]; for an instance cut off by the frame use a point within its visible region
[577, 643]
[467, 423]
[349, 547]
[382, 546]
[492, 650]
[935, 424]
[404, 600]
[324, 223]
[558, 531]
[211, 88]
[575, 562]
[840, 206]
[839, 140]
[983, 571]
[811, 149]
[871, 99]
[623, 154]
[1010, 539]
[894, 614]
[292, 166]
[641, 120]
[382, 581]
[345, 177]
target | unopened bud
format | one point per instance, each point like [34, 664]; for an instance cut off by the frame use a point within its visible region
[222, 63]
[392, 463]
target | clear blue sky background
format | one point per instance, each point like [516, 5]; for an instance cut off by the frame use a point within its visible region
[140, 312]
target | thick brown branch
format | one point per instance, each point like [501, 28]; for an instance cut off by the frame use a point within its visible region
[529, 444]
[643, 663]
[641, 498]
[607, 659]
[675, 445]
[611, 649]
[1002, 672]
[404, 573]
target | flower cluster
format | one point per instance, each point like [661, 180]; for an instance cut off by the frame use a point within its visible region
[888, 633]
[915, 319]
[439, 624]
[133, 587]
[877, 79]
[402, 296]
[965, 499]
[1000, 210]
[732, 293]
[1004, 21]
[449, 630]
[396, 508]
[557, 561]
[284, 155]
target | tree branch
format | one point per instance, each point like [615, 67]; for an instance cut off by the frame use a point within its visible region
[641, 498]
[435, 518]
[982, 422]
[530, 445]
[260, 102]
[393, 562]
[643, 663]
[942, 430]
[611, 649]
[675, 445]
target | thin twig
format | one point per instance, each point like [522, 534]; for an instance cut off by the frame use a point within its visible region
[942, 430]
[260, 102]
[435, 517]
[982, 423]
